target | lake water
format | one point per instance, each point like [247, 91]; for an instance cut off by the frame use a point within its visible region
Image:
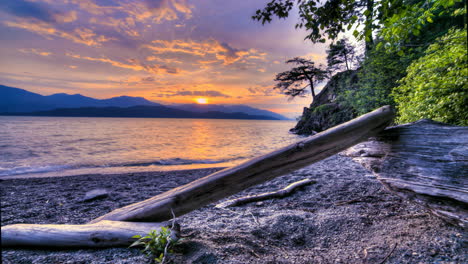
[59, 146]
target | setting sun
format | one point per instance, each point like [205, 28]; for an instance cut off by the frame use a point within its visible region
[201, 100]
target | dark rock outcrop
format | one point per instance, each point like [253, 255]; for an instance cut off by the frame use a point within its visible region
[328, 110]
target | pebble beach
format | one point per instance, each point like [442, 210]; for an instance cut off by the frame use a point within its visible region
[347, 216]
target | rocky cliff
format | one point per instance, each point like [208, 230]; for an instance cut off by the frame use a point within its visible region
[328, 109]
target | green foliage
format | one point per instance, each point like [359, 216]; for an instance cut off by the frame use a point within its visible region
[377, 77]
[418, 23]
[436, 85]
[156, 243]
[325, 19]
[323, 109]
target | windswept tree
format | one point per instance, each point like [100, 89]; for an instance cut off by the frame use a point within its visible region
[296, 81]
[341, 55]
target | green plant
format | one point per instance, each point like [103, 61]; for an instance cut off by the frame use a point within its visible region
[436, 84]
[157, 243]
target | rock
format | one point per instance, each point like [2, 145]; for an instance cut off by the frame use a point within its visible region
[325, 111]
[95, 194]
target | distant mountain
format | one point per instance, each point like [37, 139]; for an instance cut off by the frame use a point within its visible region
[139, 111]
[15, 100]
[203, 108]
[18, 100]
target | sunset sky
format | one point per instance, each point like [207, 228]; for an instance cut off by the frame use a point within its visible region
[168, 51]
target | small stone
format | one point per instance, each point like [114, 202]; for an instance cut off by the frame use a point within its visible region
[95, 194]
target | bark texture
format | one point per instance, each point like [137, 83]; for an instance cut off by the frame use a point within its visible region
[425, 162]
[100, 234]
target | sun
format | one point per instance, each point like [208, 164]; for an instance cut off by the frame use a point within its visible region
[201, 100]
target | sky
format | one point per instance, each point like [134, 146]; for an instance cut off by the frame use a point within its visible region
[168, 51]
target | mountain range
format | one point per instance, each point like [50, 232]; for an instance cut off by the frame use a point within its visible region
[16, 101]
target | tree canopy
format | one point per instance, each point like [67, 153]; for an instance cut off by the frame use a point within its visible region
[341, 55]
[436, 85]
[291, 83]
[327, 20]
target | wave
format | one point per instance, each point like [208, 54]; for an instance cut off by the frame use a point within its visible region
[58, 168]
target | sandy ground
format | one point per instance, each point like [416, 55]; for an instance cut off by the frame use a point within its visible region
[346, 217]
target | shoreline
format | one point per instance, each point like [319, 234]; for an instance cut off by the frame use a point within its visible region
[113, 171]
[346, 217]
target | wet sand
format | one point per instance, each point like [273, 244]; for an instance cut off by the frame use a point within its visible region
[346, 217]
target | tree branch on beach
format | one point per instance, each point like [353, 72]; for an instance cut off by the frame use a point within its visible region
[281, 193]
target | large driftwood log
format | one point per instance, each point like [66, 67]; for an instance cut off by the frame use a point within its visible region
[286, 191]
[101, 234]
[425, 162]
[224, 183]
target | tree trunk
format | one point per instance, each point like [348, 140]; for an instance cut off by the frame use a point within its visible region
[346, 59]
[312, 90]
[101, 234]
[425, 162]
[224, 183]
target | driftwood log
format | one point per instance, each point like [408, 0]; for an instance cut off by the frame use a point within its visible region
[101, 234]
[425, 162]
[219, 185]
[286, 191]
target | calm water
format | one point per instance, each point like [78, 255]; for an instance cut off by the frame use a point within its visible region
[58, 146]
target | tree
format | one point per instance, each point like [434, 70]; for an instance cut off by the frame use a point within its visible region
[436, 84]
[329, 19]
[291, 83]
[341, 55]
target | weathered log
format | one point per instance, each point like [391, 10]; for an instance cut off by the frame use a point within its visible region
[286, 191]
[224, 183]
[101, 234]
[425, 162]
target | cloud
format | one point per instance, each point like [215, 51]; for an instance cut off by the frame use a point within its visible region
[210, 50]
[157, 11]
[262, 90]
[132, 64]
[66, 17]
[209, 93]
[124, 25]
[91, 7]
[26, 9]
[79, 35]
[35, 51]
[37, 11]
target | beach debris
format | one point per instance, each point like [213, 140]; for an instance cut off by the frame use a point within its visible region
[95, 194]
[288, 190]
[101, 234]
[425, 162]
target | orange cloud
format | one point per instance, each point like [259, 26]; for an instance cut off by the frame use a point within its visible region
[91, 7]
[158, 11]
[35, 51]
[80, 35]
[66, 17]
[222, 52]
[133, 64]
